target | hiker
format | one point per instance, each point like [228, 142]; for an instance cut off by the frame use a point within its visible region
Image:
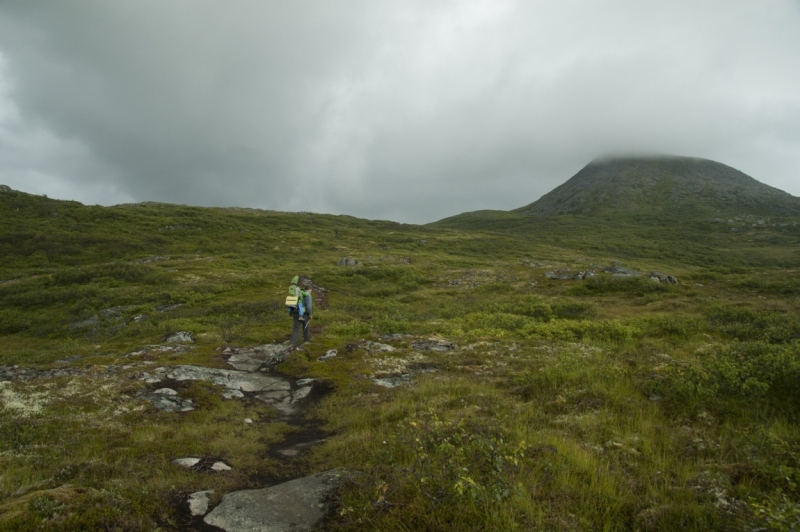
[301, 314]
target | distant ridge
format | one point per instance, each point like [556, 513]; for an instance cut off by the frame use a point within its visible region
[665, 185]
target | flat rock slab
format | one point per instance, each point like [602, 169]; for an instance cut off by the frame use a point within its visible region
[231, 379]
[252, 358]
[295, 506]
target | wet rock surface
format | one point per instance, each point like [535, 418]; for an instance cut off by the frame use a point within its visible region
[295, 506]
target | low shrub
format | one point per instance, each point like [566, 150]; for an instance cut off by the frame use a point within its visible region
[746, 324]
[629, 285]
[741, 369]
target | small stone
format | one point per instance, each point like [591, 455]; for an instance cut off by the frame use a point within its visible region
[347, 261]
[220, 466]
[248, 420]
[166, 391]
[289, 452]
[301, 393]
[328, 355]
[186, 462]
[177, 337]
[198, 502]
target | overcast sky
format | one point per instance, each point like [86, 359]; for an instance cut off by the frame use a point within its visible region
[403, 110]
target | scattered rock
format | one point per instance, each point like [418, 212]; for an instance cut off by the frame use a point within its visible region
[328, 355]
[248, 420]
[616, 269]
[167, 400]
[186, 462]
[5, 188]
[396, 337]
[151, 349]
[220, 466]
[177, 337]
[663, 277]
[433, 344]
[198, 502]
[375, 346]
[295, 506]
[560, 274]
[347, 261]
[19, 373]
[230, 379]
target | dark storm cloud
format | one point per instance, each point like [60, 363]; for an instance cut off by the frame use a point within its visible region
[405, 110]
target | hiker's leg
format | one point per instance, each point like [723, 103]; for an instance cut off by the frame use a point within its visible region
[307, 330]
[296, 330]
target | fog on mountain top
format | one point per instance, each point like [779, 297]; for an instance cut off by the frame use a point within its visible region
[411, 111]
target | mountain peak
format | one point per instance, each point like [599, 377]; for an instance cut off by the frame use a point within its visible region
[662, 184]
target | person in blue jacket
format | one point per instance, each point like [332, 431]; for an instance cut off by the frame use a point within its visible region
[302, 316]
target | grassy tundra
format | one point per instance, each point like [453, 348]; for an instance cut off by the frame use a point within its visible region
[602, 404]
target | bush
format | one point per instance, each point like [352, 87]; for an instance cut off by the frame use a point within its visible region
[750, 369]
[747, 325]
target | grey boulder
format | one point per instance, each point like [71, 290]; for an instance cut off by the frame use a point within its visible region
[347, 261]
[294, 506]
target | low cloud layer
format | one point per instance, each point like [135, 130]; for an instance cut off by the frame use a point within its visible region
[411, 111]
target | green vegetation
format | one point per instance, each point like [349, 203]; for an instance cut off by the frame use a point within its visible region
[604, 404]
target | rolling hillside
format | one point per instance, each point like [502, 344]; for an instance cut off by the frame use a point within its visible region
[144, 362]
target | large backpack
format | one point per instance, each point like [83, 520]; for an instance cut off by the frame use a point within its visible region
[294, 301]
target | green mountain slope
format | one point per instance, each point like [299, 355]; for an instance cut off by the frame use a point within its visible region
[673, 209]
[668, 186]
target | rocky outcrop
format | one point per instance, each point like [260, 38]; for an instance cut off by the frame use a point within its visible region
[663, 277]
[560, 274]
[255, 358]
[5, 188]
[295, 506]
[179, 337]
[167, 400]
[347, 261]
[275, 391]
